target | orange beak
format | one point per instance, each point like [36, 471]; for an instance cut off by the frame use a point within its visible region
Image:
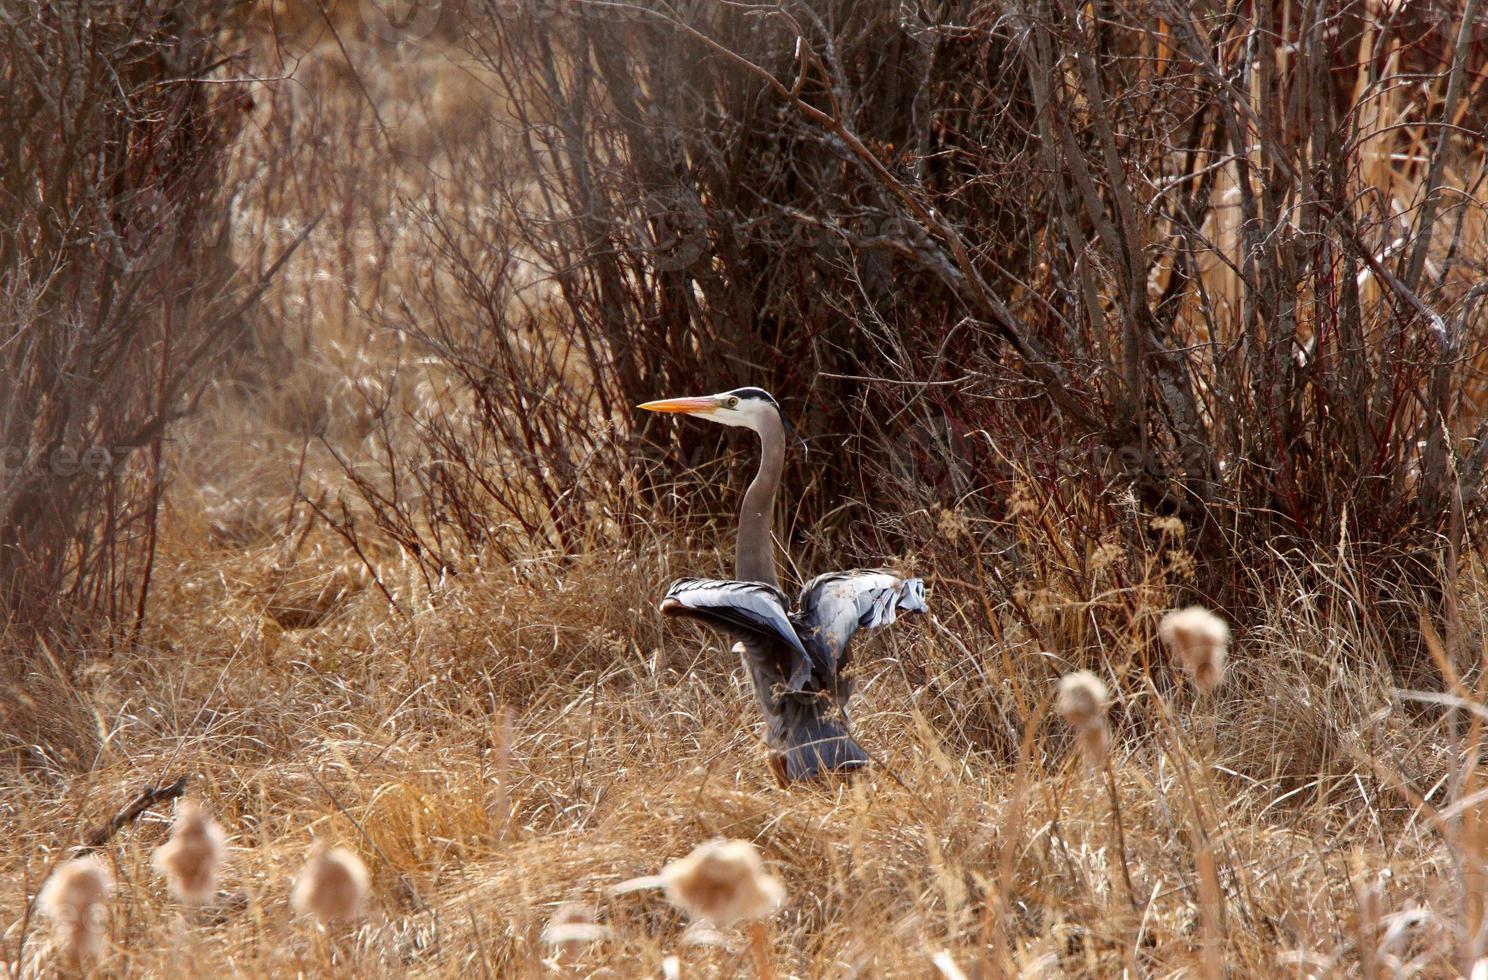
[687, 406]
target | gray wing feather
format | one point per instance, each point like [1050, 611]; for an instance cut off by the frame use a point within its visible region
[836, 605]
[750, 608]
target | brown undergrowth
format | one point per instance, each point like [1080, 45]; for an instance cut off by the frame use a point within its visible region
[530, 736]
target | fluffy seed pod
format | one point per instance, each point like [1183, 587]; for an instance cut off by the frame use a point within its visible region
[1200, 641]
[573, 927]
[332, 886]
[75, 900]
[1082, 701]
[722, 882]
[190, 859]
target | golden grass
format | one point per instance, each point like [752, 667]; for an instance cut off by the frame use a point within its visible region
[527, 742]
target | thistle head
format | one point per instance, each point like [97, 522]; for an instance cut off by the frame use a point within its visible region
[332, 886]
[190, 859]
[722, 882]
[75, 901]
[1082, 701]
[1200, 641]
[573, 926]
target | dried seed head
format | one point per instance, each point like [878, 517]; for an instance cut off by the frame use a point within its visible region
[573, 927]
[332, 886]
[75, 899]
[1082, 699]
[189, 860]
[1107, 554]
[1082, 702]
[722, 882]
[953, 525]
[1199, 639]
[1171, 526]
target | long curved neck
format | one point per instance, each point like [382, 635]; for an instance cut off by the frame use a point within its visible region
[754, 558]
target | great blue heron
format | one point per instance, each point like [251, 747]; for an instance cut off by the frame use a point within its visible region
[795, 659]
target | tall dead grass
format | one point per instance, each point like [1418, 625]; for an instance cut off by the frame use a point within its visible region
[497, 756]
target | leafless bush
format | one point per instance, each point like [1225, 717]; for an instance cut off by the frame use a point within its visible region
[510, 460]
[116, 287]
[1211, 258]
[1155, 262]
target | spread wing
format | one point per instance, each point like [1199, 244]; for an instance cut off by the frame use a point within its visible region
[836, 605]
[749, 609]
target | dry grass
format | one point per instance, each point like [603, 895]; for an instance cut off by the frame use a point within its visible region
[507, 747]
[519, 746]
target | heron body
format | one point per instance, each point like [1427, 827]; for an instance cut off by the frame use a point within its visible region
[795, 657]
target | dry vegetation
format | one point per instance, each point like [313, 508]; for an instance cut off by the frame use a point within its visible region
[1088, 314]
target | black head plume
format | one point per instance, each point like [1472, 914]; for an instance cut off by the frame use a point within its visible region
[748, 393]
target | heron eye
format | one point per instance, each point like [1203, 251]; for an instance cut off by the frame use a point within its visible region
[733, 403]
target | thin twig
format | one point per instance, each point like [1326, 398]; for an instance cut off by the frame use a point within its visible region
[148, 797]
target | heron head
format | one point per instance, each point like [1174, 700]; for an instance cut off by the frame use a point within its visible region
[750, 408]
